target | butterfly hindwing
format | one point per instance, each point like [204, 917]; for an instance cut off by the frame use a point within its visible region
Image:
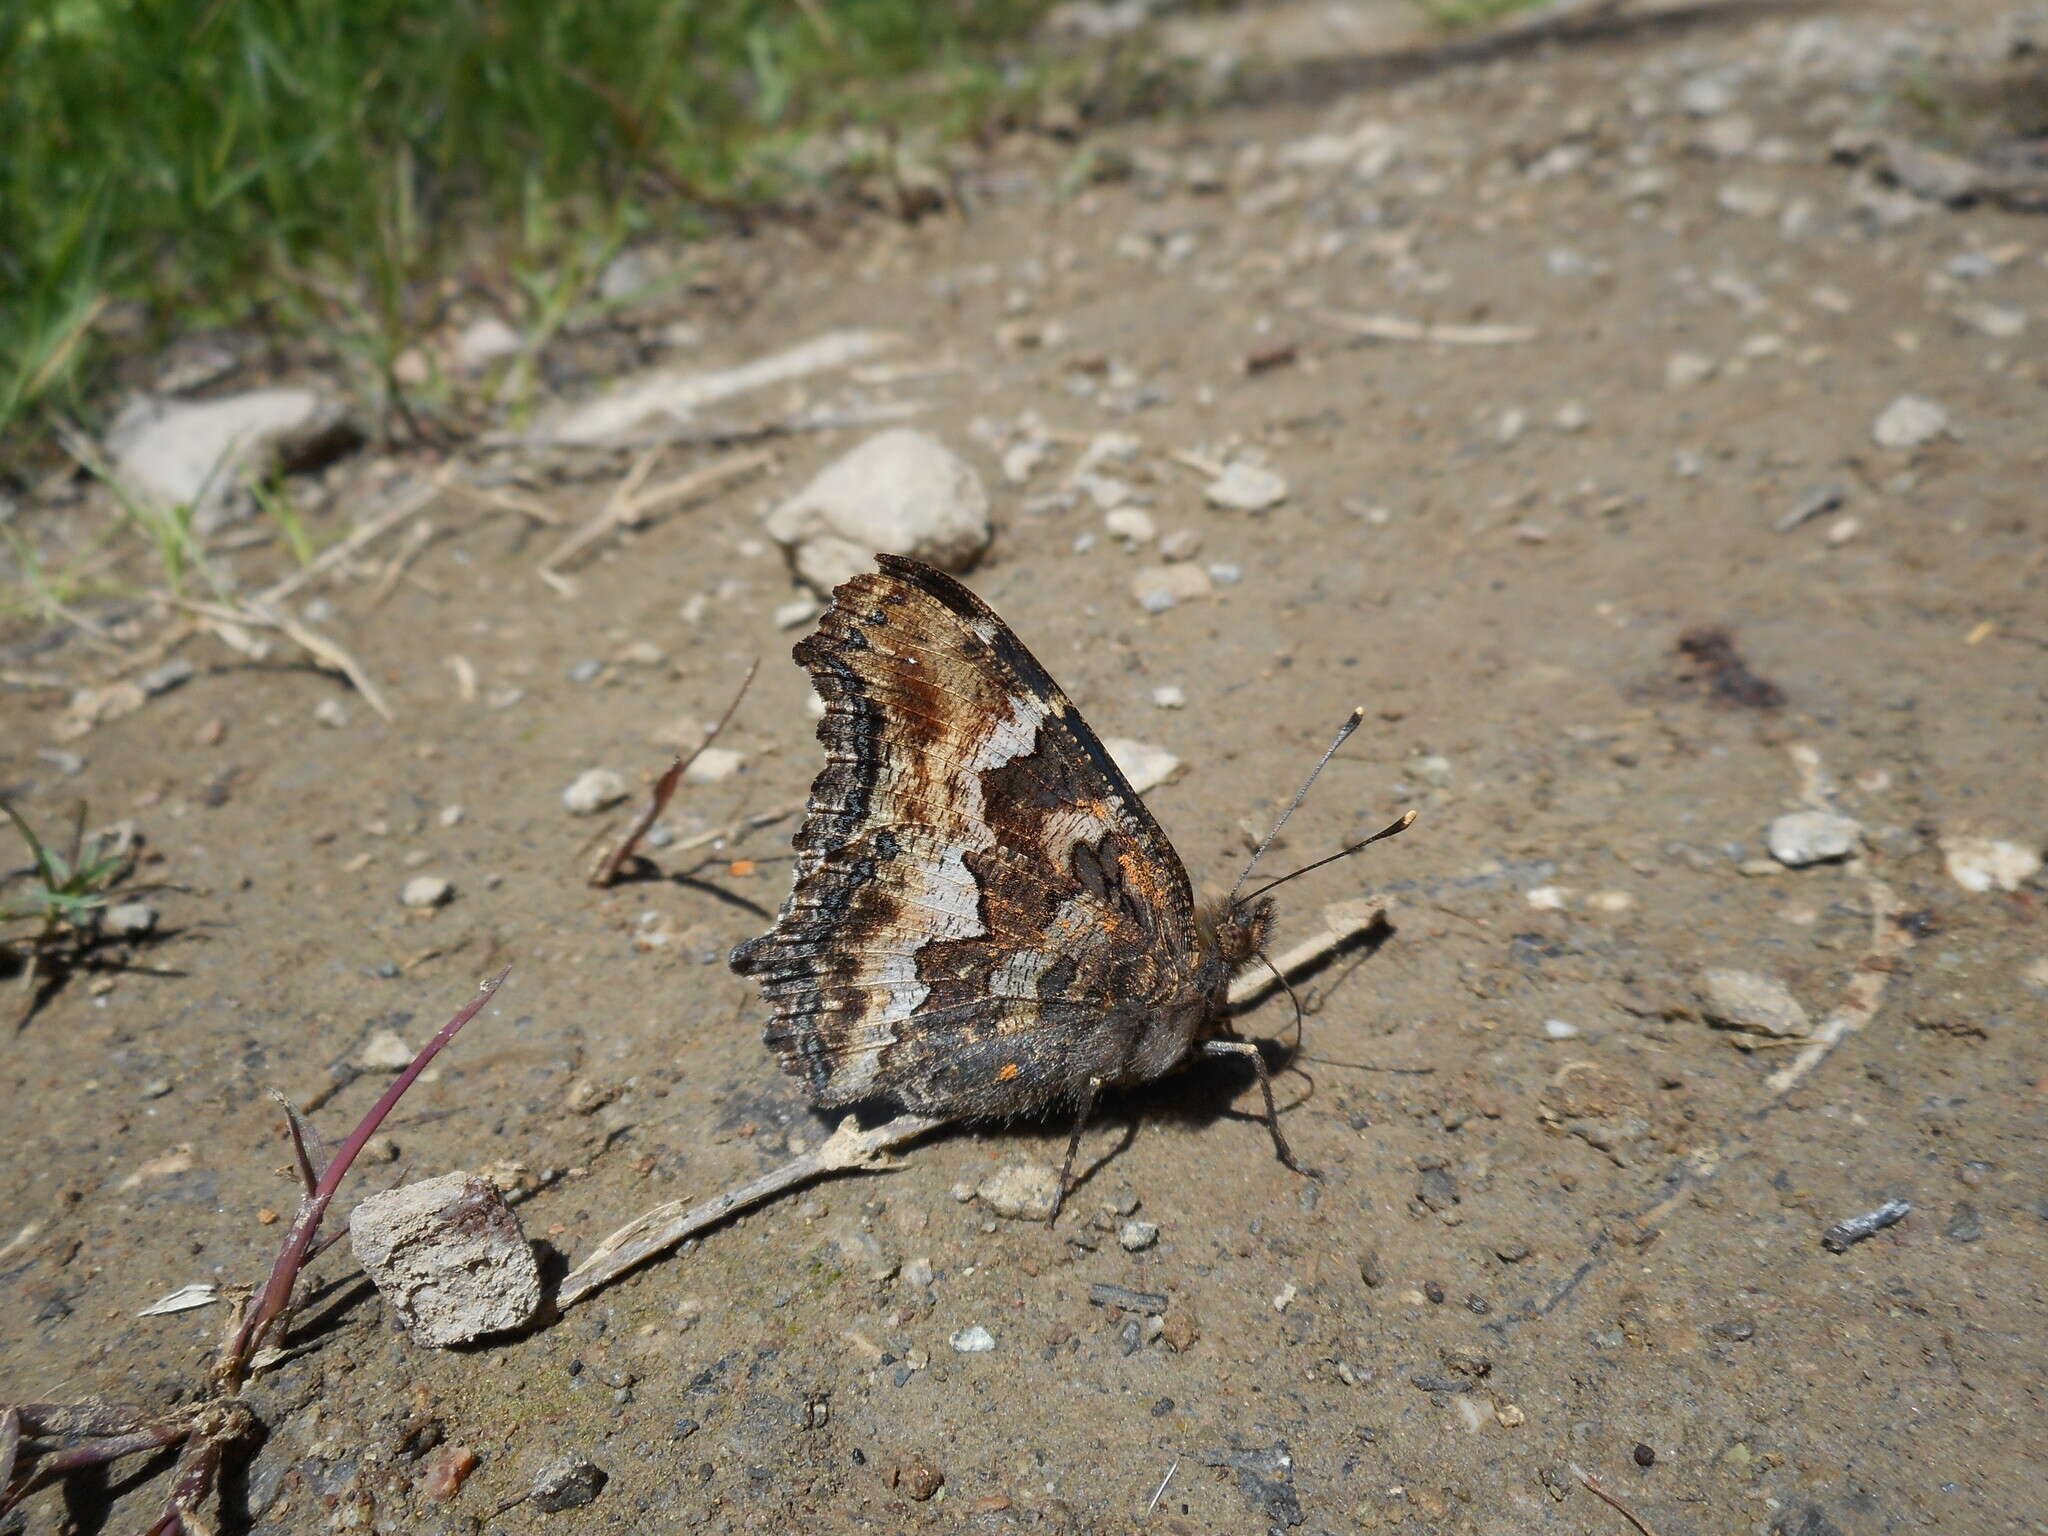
[984, 913]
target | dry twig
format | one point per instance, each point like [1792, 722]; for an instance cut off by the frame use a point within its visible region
[1593, 1486]
[1396, 328]
[628, 506]
[665, 787]
[666, 1225]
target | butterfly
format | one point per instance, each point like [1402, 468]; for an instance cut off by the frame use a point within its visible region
[986, 922]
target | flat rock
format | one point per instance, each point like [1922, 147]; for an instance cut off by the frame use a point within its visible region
[714, 765]
[1910, 421]
[1989, 863]
[901, 492]
[1246, 488]
[594, 790]
[449, 1256]
[1021, 1191]
[130, 919]
[1755, 1004]
[1800, 838]
[426, 891]
[1158, 588]
[203, 453]
[1146, 766]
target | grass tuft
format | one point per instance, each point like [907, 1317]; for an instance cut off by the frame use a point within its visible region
[176, 164]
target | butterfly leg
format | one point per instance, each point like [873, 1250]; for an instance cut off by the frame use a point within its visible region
[1059, 1197]
[1250, 1049]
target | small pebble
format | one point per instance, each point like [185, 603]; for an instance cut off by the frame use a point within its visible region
[1246, 487]
[797, 611]
[594, 790]
[1137, 1236]
[385, 1051]
[450, 1259]
[1225, 574]
[445, 1470]
[130, 919]
[331, 713]
[424, 891]
[1158, 588]
[1169, 697]
[1682, 370]
[1558, 1029]
[1757, 1004]
[1645, 1457]
[1801, 838]
[570, 1482]
[1181, 544]
[1985, 864]
[1021, 1191]
[1910, 421]
[156, 1088]
[585, 671]
[162, 679]
[972, 1341]
[1144, 765]
[1572, 416]
[919, 1479]
[1131, 524]
[713, 765]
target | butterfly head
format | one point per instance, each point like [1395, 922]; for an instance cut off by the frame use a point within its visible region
[1241, 929]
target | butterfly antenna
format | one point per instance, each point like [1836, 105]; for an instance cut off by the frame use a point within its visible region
[1343, 735]
[1407, 820]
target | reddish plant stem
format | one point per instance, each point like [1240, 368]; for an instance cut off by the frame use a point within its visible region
[291, 1258]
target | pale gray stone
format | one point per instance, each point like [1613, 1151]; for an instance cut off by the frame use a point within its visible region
[449, 1256]
[900, 492]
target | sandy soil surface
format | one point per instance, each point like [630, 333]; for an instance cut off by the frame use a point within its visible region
[1567, 1219]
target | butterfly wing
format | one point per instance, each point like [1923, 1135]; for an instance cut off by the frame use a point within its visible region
[985, 915]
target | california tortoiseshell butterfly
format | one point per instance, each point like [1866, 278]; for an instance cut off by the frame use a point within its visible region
[986, 921]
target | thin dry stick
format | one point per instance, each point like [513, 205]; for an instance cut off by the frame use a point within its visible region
[308, 640]
[746, 823]
[666, 1225]
[1864, 995]
[665, 787]
[500, 499]
[1592, 1486]
[374, 529]
[1396, 328]
[415, 541]
[626, 507]
[660, 1229]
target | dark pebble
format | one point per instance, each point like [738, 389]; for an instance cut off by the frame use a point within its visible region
[1645, 1457]
[569, 1483]
[1129, 1337]
[1437, 1189]
[1162, 1408]
[1966, 1226]
[1434, 1292]
[1430, 1383]
[1735, 1328]
[1369, 1269]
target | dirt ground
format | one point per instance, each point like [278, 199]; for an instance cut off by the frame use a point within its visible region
[1567, 1221]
